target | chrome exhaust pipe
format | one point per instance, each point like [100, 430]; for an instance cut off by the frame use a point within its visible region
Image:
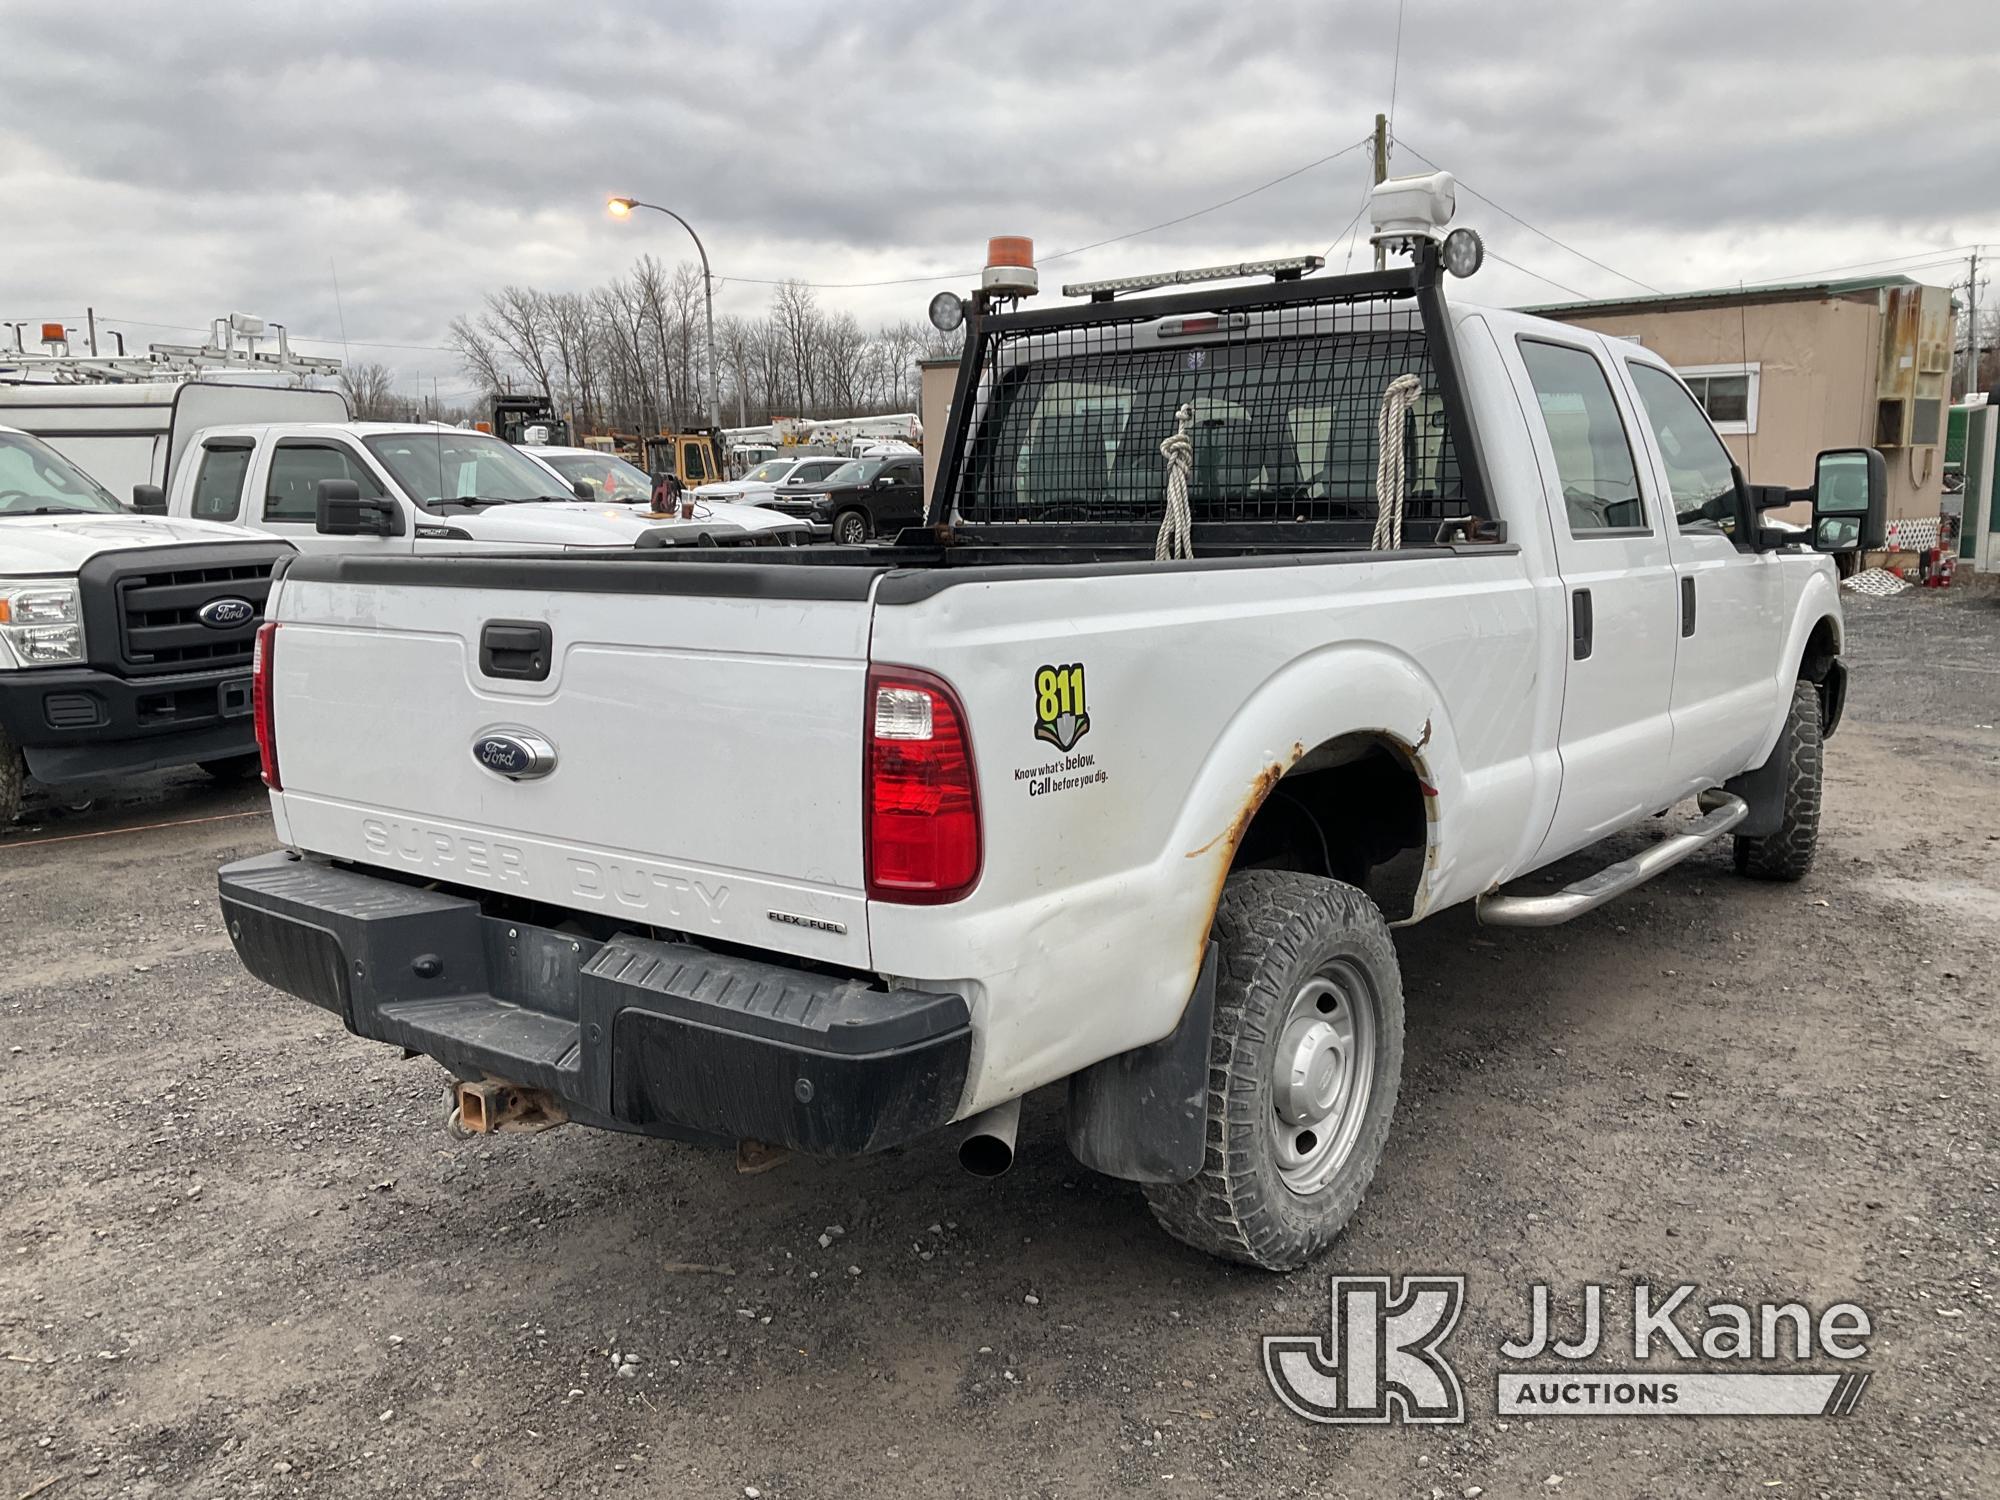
[986, 1141]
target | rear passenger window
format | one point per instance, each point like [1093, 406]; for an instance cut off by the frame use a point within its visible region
[1600, 482]
[218, 483]
[292, 492]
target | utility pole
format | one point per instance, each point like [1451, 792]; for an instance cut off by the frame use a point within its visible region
[1381, 172]
[1972, 326]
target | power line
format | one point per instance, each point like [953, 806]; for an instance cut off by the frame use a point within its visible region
[1351, 224]
[1496, 255]
[1395, 76]
[1930, 257]
[1077, 250]
[1580, 255]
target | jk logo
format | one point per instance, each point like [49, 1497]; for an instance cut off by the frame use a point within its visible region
[1380, 1360]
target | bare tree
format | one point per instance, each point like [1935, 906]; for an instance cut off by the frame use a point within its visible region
[843, 357]
[517, 318]
[371, 393]
[481, 358]
[630, 355]
[735, 348]
[796, 316]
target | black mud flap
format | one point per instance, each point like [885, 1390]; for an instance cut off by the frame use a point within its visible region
[1832, 698]
[1143, 1115]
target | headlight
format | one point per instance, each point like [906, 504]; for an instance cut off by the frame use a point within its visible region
[41, 622]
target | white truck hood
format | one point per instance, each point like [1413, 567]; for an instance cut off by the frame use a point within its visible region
[590, 523]
[62, 544]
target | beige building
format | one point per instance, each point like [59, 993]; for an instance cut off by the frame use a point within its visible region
[1786, 371]
[937, 379]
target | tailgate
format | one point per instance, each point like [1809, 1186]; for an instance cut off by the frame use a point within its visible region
[707, 752]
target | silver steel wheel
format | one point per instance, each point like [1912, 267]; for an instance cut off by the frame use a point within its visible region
[1323, 1075]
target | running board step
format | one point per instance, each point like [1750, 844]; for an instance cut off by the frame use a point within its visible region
[1722, 813]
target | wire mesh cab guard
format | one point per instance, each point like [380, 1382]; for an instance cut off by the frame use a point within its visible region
[1059, 413]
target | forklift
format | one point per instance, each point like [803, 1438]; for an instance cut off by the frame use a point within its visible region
[691, 457]
[514, 415]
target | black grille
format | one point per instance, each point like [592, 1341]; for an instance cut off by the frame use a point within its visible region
[159, 623]
[1284, 388]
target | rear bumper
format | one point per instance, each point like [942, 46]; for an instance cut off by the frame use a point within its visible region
[78, 722]
[633, 1034]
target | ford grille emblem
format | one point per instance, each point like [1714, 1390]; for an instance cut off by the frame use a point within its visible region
[226, 614]
[515, 754]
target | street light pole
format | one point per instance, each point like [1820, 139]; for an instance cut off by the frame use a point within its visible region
[622, 207]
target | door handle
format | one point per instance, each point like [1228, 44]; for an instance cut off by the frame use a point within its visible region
[519, 649]
[1580, 625]
[1687, 604]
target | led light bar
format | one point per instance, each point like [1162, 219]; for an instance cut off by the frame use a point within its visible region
[1289, 268]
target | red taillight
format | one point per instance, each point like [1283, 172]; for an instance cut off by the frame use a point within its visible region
[260, 703]
[923, 844]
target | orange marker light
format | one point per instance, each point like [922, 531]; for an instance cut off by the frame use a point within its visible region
[1010, 250]
[53, 333]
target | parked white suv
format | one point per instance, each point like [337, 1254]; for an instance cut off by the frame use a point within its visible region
[756, 488]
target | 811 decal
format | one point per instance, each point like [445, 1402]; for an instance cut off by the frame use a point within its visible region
[1060, 715]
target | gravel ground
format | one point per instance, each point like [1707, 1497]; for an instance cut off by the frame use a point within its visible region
[240, 1256]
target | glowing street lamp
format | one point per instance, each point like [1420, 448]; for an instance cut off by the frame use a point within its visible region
[621, 208]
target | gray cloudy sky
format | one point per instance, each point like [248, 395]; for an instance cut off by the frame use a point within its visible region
[169, 162]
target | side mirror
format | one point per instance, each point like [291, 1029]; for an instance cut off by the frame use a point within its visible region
[341, 511]
[883, 481]
[1850, 501]
[149, 500]
[583, 489]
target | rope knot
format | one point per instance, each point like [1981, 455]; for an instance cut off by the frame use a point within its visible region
[1391, 482]
[1176, 538]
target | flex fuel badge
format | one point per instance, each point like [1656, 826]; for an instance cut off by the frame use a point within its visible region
[1061, 719]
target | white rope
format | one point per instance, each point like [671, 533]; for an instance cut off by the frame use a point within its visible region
[1176, 538]
[1391, 483]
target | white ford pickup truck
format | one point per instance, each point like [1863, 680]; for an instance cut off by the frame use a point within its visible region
[387, 489]
[1248, 621]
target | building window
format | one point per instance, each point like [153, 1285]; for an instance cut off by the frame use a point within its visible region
[1728, 393]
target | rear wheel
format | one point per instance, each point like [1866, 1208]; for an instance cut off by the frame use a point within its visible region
[850, 527]
[1788, 853]
[1304, 1065]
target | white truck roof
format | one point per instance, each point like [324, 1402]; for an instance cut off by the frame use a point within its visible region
[128, 433]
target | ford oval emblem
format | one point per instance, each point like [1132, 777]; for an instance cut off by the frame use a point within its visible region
[226, 614]
[516, 754]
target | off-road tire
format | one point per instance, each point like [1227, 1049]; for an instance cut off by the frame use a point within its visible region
[1276, 929]
[1788, 853]
[234, 768]
[850, 528]
[13, 780]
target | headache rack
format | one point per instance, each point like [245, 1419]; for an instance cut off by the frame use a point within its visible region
[1059, 414]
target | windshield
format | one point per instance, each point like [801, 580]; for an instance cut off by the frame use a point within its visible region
[37, 480]
[612, 478]
[770, 473]
[855, 471]
[448, 466]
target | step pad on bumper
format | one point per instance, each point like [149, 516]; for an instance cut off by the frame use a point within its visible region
[634, 1033]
